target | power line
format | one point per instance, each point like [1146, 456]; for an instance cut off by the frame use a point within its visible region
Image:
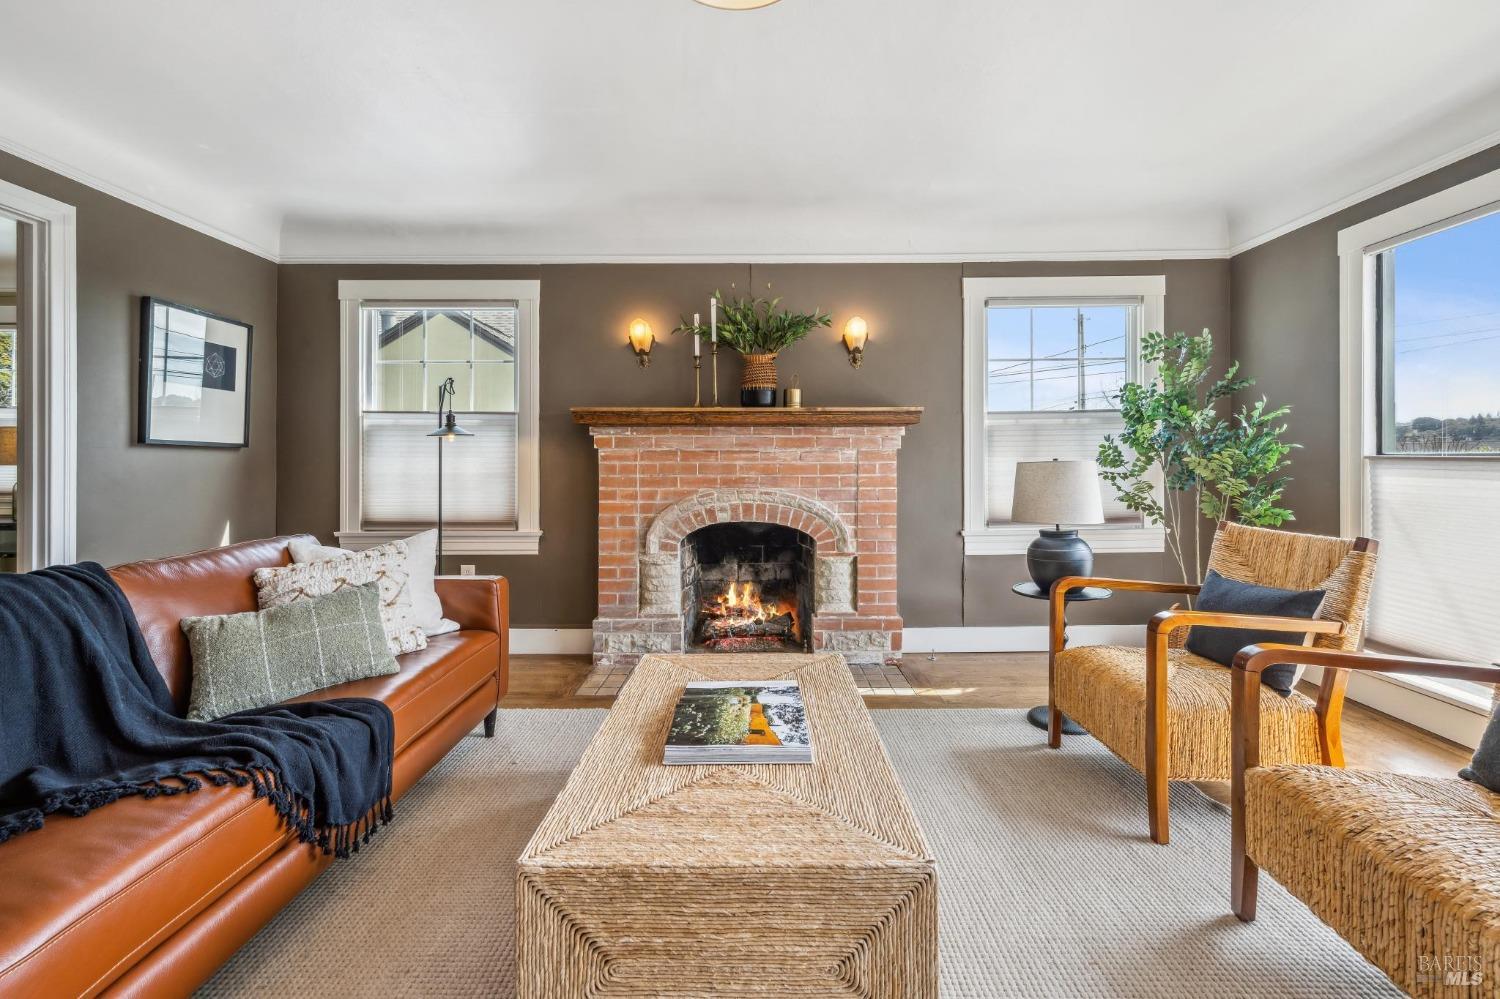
[1446, 319]
[1456, 343]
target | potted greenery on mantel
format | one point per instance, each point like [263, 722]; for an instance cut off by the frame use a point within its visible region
[758, 329]
[1175, 436]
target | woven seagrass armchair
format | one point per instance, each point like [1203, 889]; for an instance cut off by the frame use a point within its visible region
[1406, 868]
[1165, 711]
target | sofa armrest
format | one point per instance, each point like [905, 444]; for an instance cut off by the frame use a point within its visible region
[477, 603]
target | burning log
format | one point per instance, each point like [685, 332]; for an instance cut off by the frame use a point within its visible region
[713, 629]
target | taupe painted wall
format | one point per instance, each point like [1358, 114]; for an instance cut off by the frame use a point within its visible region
[136, 501]
[1285, 311]
[914, 358]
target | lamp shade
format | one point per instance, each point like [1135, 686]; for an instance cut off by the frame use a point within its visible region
[1057, 492]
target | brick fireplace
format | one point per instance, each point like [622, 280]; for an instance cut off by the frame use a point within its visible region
[726, 529]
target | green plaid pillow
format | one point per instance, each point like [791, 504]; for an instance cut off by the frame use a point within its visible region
[243, 661]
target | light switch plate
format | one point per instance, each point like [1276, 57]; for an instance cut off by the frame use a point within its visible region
[466, 570]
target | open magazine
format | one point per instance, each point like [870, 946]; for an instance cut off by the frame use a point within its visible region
[739, 721]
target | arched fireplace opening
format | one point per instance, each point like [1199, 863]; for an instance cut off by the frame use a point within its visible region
[747, 587]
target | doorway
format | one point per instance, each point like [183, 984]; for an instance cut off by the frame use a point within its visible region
[38, 380]
[8, 434]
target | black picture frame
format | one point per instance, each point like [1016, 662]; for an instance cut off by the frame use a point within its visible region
[147, 369]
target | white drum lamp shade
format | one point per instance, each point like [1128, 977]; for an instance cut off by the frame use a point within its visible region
[1057, 492]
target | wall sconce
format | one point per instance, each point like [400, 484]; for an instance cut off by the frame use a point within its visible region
[856, 332]
[642, 340]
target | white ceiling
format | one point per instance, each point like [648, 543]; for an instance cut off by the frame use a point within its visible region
[592, 129]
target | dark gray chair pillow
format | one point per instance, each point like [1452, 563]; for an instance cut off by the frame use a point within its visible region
[1484, 768]
[1231, 596]
[250, 660]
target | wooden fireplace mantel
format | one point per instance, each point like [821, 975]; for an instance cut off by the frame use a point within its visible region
[737, 416]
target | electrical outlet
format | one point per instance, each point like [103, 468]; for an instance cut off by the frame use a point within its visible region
[466, 570]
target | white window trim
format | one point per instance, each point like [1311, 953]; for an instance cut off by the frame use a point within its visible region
[1418, 700]
[525, 538]
[1358, 345]
[979, 537]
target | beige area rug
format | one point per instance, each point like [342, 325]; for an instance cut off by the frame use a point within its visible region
[1047, 883]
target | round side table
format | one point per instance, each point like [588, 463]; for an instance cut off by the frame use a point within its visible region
[1038, 715]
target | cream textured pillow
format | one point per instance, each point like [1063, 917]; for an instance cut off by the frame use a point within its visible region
[384, 565]
[421, 555]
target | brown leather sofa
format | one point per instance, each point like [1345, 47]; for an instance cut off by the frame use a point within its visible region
[148, 897]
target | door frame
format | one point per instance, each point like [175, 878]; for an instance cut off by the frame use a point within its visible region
[46, 376]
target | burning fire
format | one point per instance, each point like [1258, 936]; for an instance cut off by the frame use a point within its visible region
[743, 616]
[742, 602]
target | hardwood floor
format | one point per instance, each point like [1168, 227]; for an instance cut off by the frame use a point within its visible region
[1372, 740]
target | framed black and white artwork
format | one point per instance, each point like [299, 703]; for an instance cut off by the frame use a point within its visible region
[195, 377]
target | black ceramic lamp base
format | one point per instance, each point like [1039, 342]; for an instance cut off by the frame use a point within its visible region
[1055, 554]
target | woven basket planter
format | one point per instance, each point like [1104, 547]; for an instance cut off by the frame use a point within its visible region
[758, 380]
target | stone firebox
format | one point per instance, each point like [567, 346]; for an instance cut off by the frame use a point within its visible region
[829, 474]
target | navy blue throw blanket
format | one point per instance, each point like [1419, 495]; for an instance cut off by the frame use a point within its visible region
[85, 719]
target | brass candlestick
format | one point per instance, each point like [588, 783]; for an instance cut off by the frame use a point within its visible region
[697, 380]
[713, 374]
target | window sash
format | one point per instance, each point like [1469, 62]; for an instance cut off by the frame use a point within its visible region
[1438, 521]
[399, 467]
[370, 330]
[1079, 362]
[1015, 437]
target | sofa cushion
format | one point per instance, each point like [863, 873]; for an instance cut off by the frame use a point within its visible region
[102, 889]
[430, 682]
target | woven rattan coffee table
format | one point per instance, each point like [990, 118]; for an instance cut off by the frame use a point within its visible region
[649, 880]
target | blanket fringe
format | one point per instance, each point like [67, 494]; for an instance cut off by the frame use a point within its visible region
[340, 841]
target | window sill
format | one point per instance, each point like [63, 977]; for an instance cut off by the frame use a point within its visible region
[455, 541]
[1103, 540]
[1436, 688]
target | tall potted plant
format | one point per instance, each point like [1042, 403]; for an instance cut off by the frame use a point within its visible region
[1227, 469]
[758, 329]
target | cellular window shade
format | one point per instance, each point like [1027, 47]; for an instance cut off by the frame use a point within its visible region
[1029, 437]
[399, 466]
[1438, 589]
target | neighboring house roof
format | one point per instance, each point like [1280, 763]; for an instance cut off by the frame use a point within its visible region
[499, 331]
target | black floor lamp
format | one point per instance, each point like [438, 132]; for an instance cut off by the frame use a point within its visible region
[448, 430]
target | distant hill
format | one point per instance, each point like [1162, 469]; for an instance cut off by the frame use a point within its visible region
[1478, 434]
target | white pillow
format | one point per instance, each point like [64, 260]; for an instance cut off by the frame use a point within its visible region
[384, 565]
[421, 559]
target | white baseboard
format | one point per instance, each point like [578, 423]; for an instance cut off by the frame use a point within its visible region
[551, 641]
[1018, 638]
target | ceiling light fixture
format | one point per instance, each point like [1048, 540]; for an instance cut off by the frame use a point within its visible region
[737, 4]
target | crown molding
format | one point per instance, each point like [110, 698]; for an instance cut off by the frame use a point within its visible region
[539, 259]
[1390, 183]
[103, 186]
[270, 253]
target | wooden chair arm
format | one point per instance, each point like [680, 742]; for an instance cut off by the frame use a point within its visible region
[1077, 582]
[1167, 621]
[1257, 657]
[1057, 608]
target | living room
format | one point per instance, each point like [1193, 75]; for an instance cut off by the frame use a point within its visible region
[1033, 462]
